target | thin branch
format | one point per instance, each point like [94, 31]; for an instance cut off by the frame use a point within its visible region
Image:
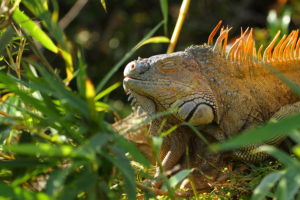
[181, 17]
[73, 12]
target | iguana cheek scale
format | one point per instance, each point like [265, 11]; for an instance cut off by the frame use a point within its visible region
[221, 91]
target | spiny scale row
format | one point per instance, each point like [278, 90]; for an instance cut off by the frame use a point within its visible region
[243, 49]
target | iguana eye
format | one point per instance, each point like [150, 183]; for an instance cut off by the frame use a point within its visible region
[169, 65]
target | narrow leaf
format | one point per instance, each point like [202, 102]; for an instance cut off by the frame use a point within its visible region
[177, 178]
[18, 193]
[107, 91]
[6, 38]
[34, 30]
[281, 156]
[104, 5]
[122, 163]
[261, 134]
[265, 185]
[157, 39]
[164, 10]
[44, 149]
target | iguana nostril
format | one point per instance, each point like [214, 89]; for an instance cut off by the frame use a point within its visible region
[130, 67]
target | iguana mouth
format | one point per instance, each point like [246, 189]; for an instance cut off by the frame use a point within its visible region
[132, 78]
[139, 102]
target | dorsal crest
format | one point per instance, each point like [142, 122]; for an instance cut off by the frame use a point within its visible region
[244, 49]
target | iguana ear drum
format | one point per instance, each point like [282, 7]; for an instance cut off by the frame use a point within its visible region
[196, 114]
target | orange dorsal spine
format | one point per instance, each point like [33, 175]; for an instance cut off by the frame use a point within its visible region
[243, 49]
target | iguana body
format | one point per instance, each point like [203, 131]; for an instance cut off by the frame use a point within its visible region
[220, 92]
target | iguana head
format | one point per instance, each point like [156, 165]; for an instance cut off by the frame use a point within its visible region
[171, 81]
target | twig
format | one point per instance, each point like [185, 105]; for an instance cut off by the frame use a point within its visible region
[181, 17]
[73, 12]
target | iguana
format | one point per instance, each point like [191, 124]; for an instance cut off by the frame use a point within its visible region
[221, 91]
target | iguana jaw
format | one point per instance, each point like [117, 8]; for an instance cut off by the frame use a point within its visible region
[138, 101]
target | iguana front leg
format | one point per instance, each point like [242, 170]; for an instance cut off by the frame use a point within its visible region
[173, 146]
[246, 154]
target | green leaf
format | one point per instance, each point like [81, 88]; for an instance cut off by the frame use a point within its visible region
[296, 150]
[6, 38]
[177, 178]
[61, 92]
[35, 31]
[170, 130]
[56, 181]
[103, 5]
[81, 76]
[44, 149]
[40, 10]
[18, 193]
[289, 184]
[123, 60]
[121, 162]
[83, 181]
[197, 132]
[265, 185]
[157, 39]
[295, 135]
[107, 91]
[260, 134]
[157, 142]
[133, 150]
[164, 10]
[281, 156]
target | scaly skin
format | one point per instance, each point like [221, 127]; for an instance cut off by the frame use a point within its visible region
[219, 94]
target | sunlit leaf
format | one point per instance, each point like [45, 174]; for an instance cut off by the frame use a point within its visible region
[107, 91]
[34, 30]
[6, 38]
[177, 178]
[157, 39]
[18, 193]
[170, 130]
[43, 149]
[104, 5]
[296, 150]
[261, 134]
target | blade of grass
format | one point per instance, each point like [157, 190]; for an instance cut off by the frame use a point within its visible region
[19, 193]
[265, 185]
[177, 178]
[260, 134]
[157, 39]
[164, 10]
[6, 38]
[281, 156]
[121, 162]
[107, 91]
[27, 24]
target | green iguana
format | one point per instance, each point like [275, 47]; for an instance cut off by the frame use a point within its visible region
[220, 91]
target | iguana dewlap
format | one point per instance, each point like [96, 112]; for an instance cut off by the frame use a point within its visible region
[221, 92]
